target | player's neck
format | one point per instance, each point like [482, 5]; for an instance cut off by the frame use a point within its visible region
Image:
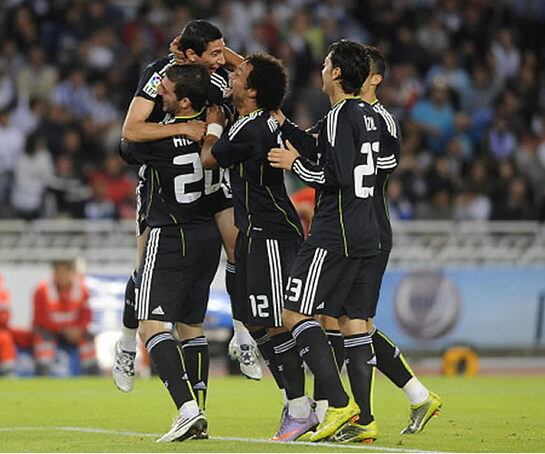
[369, 96]
[246, 107]
[338, 95]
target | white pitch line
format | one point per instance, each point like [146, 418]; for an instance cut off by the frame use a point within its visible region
[242, 440]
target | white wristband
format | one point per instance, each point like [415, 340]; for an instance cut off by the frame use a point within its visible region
[214, 129]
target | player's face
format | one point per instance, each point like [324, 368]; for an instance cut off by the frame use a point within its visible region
[238, 89]
[212, 58]
[166, 91]
[64, 275]
[327, 76]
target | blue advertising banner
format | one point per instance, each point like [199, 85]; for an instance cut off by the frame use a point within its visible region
[484, 307]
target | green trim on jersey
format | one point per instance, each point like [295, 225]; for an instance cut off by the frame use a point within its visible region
[344, 99]
[384, 188]
[345, 241]
[189, 117]
[283, 211]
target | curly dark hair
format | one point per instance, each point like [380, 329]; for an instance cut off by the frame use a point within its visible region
[353, 61]
[191, 81]
[269, 79]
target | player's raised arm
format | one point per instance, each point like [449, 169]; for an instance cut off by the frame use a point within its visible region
[219, 151]
[137, 129]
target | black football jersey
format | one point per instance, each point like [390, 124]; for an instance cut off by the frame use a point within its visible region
[388, 159]
[180, 191]
[154, 72]
[344, 173]
[262, 205]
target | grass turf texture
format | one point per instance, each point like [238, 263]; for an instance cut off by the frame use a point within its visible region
[479, 414]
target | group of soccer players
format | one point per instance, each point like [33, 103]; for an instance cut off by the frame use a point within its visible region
[188, 123]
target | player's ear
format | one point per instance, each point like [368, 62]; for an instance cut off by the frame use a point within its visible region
[185, 103]
[191, 55]
[336, 73]
[376, 79]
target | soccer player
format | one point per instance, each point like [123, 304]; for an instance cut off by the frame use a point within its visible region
[331, 271]
[389, 360]
[183, 247]
[62, 314]
[270, 232]
[203, 42]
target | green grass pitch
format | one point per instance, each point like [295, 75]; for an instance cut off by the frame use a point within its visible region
[483, 414]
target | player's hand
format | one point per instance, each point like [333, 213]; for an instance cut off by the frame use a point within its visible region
[283, 158]
[178, 54]
[194, 129]
[72, 334]
[279, 116]
[215, 114]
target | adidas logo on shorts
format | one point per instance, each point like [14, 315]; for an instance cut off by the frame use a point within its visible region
[158, 311]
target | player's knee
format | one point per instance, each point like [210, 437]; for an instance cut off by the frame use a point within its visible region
[190, 331]
[291, 318]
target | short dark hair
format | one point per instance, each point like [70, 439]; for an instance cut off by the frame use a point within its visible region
[197, 34]
[377, 62]
[190, 81]
[351, 58]
[269, 79]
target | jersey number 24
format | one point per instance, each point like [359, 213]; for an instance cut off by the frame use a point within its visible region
[181, 181]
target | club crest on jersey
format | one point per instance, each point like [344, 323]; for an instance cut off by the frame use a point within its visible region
[153, 83]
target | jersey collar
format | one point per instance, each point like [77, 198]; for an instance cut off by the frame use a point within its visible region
[344, 99]
[189, 117]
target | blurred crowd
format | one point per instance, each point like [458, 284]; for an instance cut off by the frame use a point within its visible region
[465, 79]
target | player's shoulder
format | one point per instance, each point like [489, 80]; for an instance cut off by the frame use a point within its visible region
[388, 121]
[220, 79]
[161, 64]
[152, 75]
[250, 124]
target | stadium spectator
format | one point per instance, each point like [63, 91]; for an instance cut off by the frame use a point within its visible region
[33, 173]
[486, 55]
[8, 352]
[11, 147]
[435, 115]
[37, 78]
[62, 316]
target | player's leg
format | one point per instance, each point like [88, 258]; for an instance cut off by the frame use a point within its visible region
[335, 339]
[125, 348]
[361, 360]
[390, 361]
[45, 349]
[242, 346]
[161, 292]
[87, 354]
[202, 256]
[270, 262]
[315, 275]
[8, 353]
[246, 304]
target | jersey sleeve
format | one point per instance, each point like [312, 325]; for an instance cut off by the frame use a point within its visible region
[236, 145]
[340, 150]
[302, 140]
[149, 83]
[390, 142]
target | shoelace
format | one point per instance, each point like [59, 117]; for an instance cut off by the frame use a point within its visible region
[126, 363]
[246, 355]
